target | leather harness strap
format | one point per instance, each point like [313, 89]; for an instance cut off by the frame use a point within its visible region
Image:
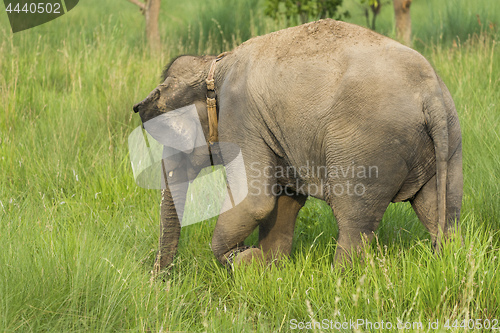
[213, 133]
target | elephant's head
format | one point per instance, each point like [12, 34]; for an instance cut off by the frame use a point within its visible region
[183, 83]
[163, 113]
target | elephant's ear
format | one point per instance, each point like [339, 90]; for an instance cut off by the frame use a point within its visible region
[166, 69]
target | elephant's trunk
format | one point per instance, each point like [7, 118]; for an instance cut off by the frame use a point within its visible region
[153, 96]
[170, 231]
[170, 226]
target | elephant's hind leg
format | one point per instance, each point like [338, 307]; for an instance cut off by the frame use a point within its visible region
[357, 217]
[355, 231]
[276, 232]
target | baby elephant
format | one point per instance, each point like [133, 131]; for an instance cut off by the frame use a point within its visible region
[326, 109]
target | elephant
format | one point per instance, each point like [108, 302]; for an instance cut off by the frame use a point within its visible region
[327, 109]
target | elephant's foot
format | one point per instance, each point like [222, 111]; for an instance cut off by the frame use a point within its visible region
[247, 256]
[242, 255]
[351, 246]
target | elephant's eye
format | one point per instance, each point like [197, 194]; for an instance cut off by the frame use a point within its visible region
[165, 84]
[168, 82]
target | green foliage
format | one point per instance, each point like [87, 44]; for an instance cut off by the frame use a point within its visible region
[371, 3]
[77, 236]
[303, 11]
[373, 7]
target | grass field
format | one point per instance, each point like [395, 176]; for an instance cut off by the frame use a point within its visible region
[77, 236]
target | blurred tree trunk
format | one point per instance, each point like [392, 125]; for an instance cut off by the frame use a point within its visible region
[373, 6]
[151, 11]
[403, 20]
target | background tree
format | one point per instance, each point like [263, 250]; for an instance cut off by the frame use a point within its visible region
[373, 7]
[302, 11]
[403, 20]
[151, 11]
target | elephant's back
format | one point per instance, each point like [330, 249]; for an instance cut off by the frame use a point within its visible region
[320, 37]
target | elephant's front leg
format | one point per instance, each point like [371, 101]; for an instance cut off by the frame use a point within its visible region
[236, 224]
[276, 227]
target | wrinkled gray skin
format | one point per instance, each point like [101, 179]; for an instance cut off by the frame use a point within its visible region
[330, 94]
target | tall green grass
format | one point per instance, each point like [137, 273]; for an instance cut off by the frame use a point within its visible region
[220, 25]
[436, 21]
[455, 20]
[78, 237]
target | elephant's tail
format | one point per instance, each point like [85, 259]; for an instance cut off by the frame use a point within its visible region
[437, 124]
